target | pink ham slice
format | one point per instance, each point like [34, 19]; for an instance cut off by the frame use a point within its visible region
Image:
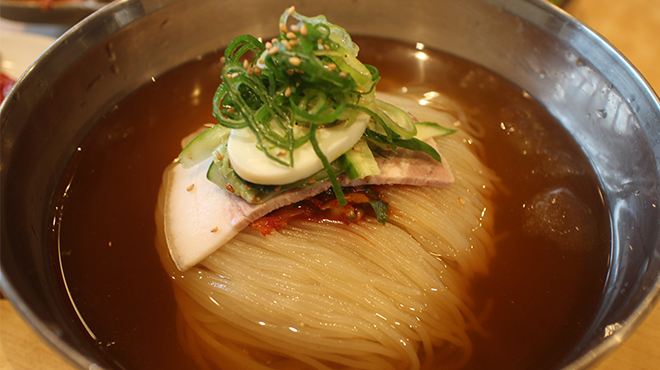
[408, 167]
[200, 217]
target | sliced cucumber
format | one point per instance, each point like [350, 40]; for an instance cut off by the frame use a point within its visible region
[396, 119]
[203, 145]
[426, 130]
[359, 162]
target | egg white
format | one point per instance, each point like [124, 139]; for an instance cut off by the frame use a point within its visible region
[252, 164]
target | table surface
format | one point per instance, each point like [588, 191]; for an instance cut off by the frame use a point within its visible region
[632, 26]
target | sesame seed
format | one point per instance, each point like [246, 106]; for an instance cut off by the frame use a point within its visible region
[283, 28]
[250, 71]
[292, 10]
[190, 187]
[286, 44]
[295, 61]
[291, 35]
[222, 60]
[231, 110]
[343, 74]
[303, 30]
[311, 181]
[281, 153]
[332, 67]
[245, 63]
[357, 149]
[293, 43]
[229, 188]
[273, 50]
[257, 71]
[277, 188]
[261, 61]
[461, 201]
[295, 28]
[319, 41]
[235, 74]
[326, 47]
[287, 92]
[274, 40]
[268, 45]
[220, 156]
[176, 160]
[215, 229]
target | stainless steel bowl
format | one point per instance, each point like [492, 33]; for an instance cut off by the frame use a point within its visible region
[597, 95]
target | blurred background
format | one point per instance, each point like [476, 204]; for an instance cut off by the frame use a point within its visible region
[29, 27]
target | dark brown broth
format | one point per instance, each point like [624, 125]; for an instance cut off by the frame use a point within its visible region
[543, 295]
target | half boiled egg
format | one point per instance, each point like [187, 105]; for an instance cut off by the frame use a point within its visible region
[253, 165]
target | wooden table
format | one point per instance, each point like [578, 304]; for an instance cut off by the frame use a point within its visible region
[633, 26]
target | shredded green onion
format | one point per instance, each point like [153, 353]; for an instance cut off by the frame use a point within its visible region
[309, 76]
[326, 165]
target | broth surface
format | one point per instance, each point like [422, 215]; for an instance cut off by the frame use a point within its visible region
[552, 228]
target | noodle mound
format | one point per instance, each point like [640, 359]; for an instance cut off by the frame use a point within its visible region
[360, 296]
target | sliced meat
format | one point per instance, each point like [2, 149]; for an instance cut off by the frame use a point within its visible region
[200, 217]
[408, 167]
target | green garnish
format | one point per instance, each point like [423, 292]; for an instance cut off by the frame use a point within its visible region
[286, 89]
[326, 165]
[309, 77]
[380, 207]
